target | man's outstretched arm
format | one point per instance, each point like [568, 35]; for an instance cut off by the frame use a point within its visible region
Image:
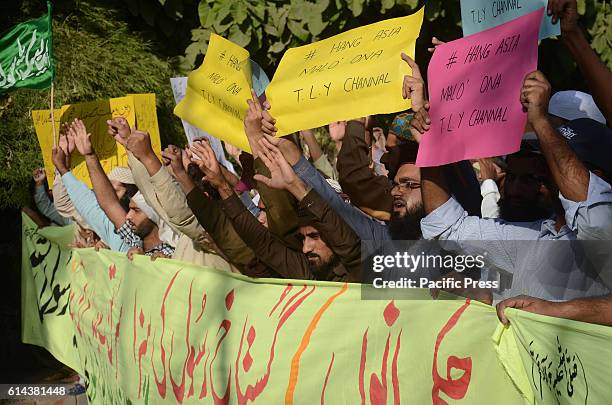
[595, 72]
[569, 173]
[105, 194]
[592, 310]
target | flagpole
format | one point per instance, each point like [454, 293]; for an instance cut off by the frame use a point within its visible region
[49, 12]
[53, 117]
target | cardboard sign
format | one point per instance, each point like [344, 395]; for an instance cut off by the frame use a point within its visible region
[217, 92]
[474, 90]
[179, 88]
[135, 108]
[353, 74]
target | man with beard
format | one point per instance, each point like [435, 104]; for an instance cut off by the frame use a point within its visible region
[330, 249]
[407, 206]
[529, 194]
[525, 250]
[400, 199]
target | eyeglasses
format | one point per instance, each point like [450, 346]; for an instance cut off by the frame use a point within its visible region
[408, 184]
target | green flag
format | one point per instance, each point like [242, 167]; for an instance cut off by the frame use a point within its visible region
[26, 55]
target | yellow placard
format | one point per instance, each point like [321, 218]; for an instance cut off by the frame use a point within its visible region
[95, 114]
[350, 75]
[217, 92]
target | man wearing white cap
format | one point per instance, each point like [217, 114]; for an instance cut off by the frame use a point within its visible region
[159, 189]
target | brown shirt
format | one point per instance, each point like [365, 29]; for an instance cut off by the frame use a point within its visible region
[291, 263]
[369, 192]
[209, 214]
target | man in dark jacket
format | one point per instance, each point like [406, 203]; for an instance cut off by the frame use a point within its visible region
[330, 249]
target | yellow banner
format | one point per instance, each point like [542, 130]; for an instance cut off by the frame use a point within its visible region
[95, 114]
[353, 74]
[217, 92]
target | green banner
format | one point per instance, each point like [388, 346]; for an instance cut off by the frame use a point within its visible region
[166, 331]
[26, 55]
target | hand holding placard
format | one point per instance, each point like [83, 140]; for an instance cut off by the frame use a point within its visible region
[565, 11]
[535, 96]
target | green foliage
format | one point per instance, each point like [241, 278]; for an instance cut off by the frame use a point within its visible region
[267, 28]
[99, 55]
[96, 56]
[601, 33]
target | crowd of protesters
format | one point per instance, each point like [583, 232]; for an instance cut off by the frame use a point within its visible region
[289, 216]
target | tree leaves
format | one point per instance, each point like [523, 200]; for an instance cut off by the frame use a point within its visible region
[239, 11]
[237, 36]
[267, 27]
[297, 29]
[203, 12]
[356, 7]
[198, 47]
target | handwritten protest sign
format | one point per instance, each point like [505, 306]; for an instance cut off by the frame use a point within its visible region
[480, 15]
[145, 110]
[360, 70]
[217, 92]
[474, 90]
[95, 114]
[179, 88]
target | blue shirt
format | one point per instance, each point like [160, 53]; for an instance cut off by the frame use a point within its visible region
[591, 219]
[46, 207]
[364, 226]
[86, 204]
[543, 269]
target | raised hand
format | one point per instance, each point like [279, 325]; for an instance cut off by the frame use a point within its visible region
[535, 96]
[63, 129]
[232, 151]
[119, 128]
[174, 159]
[336, 130]
[282, 175]
[63, 141]
[39, 176]
[567, 12]
[289, 150]
[66, 139]
[267, 123]
[253, 119]
[414, 86]
[419, 124]
[60, 160]
[82, 139]
[139, 143]
[490, 170]
[208, 162]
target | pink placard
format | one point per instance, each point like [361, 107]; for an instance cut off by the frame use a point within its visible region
[474, 89]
